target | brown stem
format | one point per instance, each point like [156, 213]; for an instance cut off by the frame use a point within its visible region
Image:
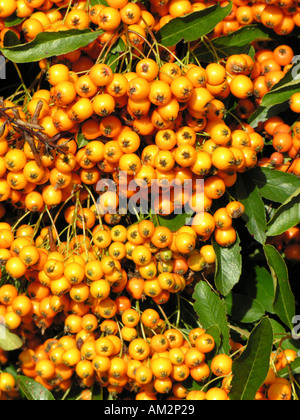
[32, 130]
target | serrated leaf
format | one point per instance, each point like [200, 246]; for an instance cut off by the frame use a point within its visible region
[8, 340]
[211, 310]
[284, 302]
[238, 42]
[251, 368]
[287, 216]
[243, 308]
[274, 185]
[193, 26]
[228, 266]
[255, 216]
[33, 390]
[49, 44]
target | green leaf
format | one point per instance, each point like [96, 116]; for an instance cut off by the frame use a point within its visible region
[287, 216]
[112, 58]
[112, 61]
[263, 113]
[284, 302]
[13, 20]
[49, 44]
[274, 185]
[94, 2]
[264, 288]
[33, 390]
[10, 39]
[238, 42]
[257, 283]
[293, 369]
[228, 267]
[283, 90]
[174, 221]
[251, 368]
[277, 99]
[119, 46]
[193, 26]
[280, 331]
[255, 217]
[211, 310]
[81, 140]
[243, 308]
[8, 340]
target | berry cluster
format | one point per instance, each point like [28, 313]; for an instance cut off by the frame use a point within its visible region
[97, 160]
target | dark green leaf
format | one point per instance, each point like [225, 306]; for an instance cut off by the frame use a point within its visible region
[274, 185]
[10, 39]
[293, 369]
[283, 90]
[257, 283]
[8, 340]
[243, 308]
[264, 288]
[277, 99]
[174, 221]
[193, 26]
[211, 310]
[49, 44]
[287, 216]
[251, 368]
[228, 267]
[119, 46]
[112, 61]
[263, 113]
[33, 390]
[13, 20]
[112, 58]
[238, 42]
[284, 303]
[255, 217]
